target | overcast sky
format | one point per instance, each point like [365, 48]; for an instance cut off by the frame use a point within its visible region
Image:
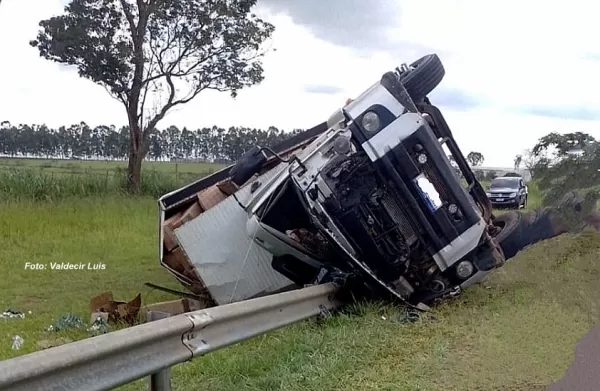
[515, 70]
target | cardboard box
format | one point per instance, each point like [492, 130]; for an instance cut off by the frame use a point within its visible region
[173, 220]
[96, 315]
[210, 197]
[227, 187]
[116, 311]
[175, 307]
[177, 261]
[100, 300]
[177, 220]
[190, 213]
[169, 239]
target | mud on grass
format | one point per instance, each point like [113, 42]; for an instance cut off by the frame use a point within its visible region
[517, 332]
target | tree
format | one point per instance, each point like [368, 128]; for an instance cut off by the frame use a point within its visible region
[475, 158]
[535, 163]
[154, 55]
[518, 161]
[574, 173]
[111, 143]
[563, 144]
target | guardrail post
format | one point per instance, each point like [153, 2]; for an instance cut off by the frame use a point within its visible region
[161, 380]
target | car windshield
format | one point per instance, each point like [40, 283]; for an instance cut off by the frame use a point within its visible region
[512, 183]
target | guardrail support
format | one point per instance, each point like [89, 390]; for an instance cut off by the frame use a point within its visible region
[161, 380]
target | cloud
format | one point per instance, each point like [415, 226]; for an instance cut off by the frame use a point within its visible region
[322, 89]
[565, 112]
[455, 99]
[358, 24]
[511, 77]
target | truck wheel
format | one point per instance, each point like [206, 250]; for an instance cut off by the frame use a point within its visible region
[427, 73]
[510, 224]
[522, 229]
[249, 164]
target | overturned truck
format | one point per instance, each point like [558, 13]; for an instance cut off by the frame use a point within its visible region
[369, 198]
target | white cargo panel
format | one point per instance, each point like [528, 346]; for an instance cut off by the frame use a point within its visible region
[231, 265]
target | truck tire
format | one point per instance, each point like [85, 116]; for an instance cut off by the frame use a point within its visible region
[522, 229]
[519, 231]
[510, 223]
[428, 72]
[249, 164]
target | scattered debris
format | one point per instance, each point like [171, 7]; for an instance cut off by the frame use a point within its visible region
[324, 313]
[409, 317]
[67, 322]
[175, 307]
[113, 311]
[99, 326]
[12, 314]
[17, 342]
[314, 242]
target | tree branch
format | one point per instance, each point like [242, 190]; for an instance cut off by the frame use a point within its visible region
[129, 16]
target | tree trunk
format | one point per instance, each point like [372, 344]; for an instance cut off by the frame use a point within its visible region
[134, 171]
[138, 148]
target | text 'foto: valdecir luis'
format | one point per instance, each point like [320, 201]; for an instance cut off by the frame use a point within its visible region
[66, 266]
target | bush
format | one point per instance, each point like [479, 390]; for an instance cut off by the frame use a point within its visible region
[575, 174]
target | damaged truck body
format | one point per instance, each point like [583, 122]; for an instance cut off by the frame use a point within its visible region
[369, 196]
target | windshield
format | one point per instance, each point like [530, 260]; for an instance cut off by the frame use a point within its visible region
[512, 183]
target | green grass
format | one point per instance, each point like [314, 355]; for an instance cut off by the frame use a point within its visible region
[101, 166]
[516, 332]
[55, 179]
[118, 232]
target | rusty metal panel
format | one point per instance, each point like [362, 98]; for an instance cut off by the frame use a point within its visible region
[230, 264]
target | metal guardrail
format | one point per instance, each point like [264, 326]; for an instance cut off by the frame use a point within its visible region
[112, 360]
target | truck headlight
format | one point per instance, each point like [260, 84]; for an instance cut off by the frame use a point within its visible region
[452, 208]
[371, 122]
[342, 145]
[464, 269]
[512, 195]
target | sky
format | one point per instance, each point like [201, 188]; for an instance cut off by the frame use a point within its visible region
[515, 70]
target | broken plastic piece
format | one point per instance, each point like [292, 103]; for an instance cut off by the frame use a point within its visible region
[12, 314]
[67, 322]
[100, 326]
[17, 342]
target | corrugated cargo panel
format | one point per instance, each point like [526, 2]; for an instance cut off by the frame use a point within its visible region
[231, 265]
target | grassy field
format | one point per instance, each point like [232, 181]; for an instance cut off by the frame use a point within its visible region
[102, 166]
[517, 332]
[36, 179]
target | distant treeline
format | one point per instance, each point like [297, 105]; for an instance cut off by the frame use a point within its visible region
[109, 142]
